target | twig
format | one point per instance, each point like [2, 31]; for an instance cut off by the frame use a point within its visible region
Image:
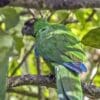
[91, 80]
[91, 15]
[24, 58]
[52, 12]
[31, 11]
[70, 21]
[89, 90]
[76, 21]
[40, 13]
[39, 73]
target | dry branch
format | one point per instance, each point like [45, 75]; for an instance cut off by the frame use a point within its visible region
[52, 4]
[89, 90]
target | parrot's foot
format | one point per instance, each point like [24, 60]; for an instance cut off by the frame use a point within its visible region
[52, 76]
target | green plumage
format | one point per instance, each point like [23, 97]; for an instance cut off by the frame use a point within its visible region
[68, 84]
[57, 45]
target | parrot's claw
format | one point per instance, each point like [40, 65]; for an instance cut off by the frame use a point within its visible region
[52, 76]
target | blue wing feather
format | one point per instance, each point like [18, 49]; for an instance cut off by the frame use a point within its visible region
[78, 67]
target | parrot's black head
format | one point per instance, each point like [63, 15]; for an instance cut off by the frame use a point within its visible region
[28, 28]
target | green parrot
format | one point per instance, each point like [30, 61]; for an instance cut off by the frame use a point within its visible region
[62, 51]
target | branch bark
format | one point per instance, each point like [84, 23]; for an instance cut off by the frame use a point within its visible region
[90, 90]
[52, 4]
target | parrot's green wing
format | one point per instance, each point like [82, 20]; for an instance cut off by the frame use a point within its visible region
[59, 46]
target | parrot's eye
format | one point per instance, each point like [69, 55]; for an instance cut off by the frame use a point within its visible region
[43, 29]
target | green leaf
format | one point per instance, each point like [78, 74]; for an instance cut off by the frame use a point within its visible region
[6, 43]
[18, 42]
[82, 14]
[3, 76]
[9, 16]
[59, 16]
[92, 38]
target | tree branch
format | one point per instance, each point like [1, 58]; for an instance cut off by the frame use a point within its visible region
[31, 80]
[52, 4]
[89, 90]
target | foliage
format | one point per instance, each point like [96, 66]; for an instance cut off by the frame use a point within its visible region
[6, 42]
[15, 46]
[92, 38]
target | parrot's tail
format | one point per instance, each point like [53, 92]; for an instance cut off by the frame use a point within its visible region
[68, 84]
